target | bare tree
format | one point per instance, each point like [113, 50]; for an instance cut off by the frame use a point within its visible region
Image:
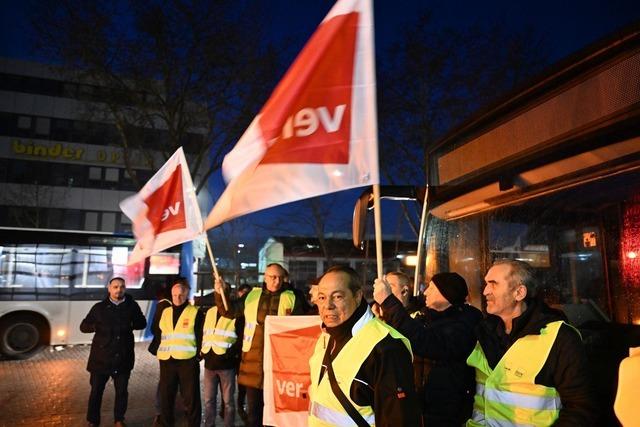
[195, 71]
[437, 77]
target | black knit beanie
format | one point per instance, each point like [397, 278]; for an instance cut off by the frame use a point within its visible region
[452, 286]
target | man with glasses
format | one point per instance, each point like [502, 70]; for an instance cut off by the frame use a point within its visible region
[272, 298]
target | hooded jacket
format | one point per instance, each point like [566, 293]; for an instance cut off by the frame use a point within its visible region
[112, 345]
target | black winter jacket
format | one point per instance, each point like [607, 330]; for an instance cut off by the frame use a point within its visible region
[385, 379]
[566, 367]
[112, 345]
[251, 364]
[445, 338]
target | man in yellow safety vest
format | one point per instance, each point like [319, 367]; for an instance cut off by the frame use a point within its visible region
[361, 370]
[530, 366]
[272, 298]
[220, 350]
[180, 326]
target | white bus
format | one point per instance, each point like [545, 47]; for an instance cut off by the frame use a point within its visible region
[49, 279]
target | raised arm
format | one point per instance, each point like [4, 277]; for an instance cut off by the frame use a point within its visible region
[235, 308]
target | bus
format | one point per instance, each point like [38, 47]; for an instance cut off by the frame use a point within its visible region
[549, 175]
[49, 279]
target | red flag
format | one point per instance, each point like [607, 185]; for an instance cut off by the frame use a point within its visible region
[317, 133]
[289, 342]
[165, 212]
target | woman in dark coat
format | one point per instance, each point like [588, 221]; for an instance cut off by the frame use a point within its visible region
[112, 355]
[445, 335]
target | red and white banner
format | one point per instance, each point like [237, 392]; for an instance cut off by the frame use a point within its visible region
[317, 133]
[165, 212]
[288, 346]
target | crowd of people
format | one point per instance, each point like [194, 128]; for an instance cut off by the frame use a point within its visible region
[394, 362]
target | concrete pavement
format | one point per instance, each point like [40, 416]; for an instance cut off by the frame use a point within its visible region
[52, 388]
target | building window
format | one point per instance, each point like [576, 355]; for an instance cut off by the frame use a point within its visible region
[43, 126]
[24, 122]
[95, 173]
[111, 174]
[108, 221]
[91, 221]
[302, 272]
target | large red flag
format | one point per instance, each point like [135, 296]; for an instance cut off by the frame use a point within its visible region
[165, 212]
[317, 133]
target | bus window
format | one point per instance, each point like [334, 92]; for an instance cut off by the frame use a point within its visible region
[164, 263]
[456, 246]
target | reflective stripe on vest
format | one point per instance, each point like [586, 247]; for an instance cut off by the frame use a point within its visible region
[219, 333]
[178, 343]
[508, 394]
[285, 307]
[334, 417]
[326, 409]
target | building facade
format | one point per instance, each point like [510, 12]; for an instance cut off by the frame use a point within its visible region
[305, 259]
[61, 158]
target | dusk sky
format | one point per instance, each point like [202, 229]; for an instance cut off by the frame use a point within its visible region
[566, 25]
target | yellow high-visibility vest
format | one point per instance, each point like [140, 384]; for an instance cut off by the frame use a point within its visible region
[179, 343]
[285, 307]
[326, 409]
[508, 394]
[219, 332]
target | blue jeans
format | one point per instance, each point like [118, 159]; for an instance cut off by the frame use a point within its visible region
[227, 380]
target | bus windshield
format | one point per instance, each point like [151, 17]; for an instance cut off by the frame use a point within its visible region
[583, 243]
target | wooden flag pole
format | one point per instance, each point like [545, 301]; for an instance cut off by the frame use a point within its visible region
[216, 275]
[421, 244]
[378, 227]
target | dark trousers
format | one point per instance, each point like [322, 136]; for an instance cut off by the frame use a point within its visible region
[242, 393]
[255, 405]
[98, 381]
[186, 375]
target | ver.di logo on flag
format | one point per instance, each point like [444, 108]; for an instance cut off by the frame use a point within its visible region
[291, 351]
[166, 204]
[313, 100]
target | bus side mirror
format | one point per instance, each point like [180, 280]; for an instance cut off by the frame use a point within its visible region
[359, 224]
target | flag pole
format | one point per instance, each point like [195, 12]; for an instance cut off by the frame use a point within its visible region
[216, 275]
[378, 227]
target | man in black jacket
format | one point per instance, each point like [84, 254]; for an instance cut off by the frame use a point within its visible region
[112, 355]
[444, 336]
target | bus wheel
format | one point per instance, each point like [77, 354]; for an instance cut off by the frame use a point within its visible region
[21, 336]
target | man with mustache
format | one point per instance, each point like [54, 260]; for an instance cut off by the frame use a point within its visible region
[361, 368]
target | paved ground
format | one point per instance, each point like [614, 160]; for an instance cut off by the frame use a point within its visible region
[51, 389]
